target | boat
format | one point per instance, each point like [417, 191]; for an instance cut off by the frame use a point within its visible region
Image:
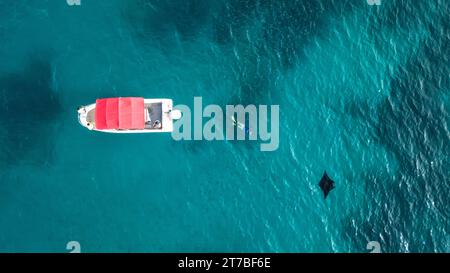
[129, 115]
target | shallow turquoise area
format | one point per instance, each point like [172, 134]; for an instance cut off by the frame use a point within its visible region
[364, 93]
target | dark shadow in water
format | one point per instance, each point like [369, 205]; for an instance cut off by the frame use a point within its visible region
[283, 29]
[286, 25]
[256, 81]
[153, 20]
[413, 126]
[235, 15]
[381, 219]
[404, 14]
[29, 106]
[400, 17]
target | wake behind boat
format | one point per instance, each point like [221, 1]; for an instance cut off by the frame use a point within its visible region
[129, 115]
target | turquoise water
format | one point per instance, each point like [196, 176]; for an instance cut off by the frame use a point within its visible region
[363, 93]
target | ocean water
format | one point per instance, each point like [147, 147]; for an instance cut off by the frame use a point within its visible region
[364, 93]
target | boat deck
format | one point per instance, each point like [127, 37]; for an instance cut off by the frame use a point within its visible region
[90, 117]
[154, 114]
[153, 119]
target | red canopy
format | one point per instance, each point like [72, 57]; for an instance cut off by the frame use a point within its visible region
[119, 113]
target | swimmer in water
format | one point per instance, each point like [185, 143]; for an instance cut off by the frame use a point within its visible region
[241, 126]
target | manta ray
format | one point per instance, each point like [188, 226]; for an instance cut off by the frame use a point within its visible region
[326, 184]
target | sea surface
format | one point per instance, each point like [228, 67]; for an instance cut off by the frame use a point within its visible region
[363, 90]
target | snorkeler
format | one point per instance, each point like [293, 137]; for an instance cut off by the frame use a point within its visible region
[241, 126]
